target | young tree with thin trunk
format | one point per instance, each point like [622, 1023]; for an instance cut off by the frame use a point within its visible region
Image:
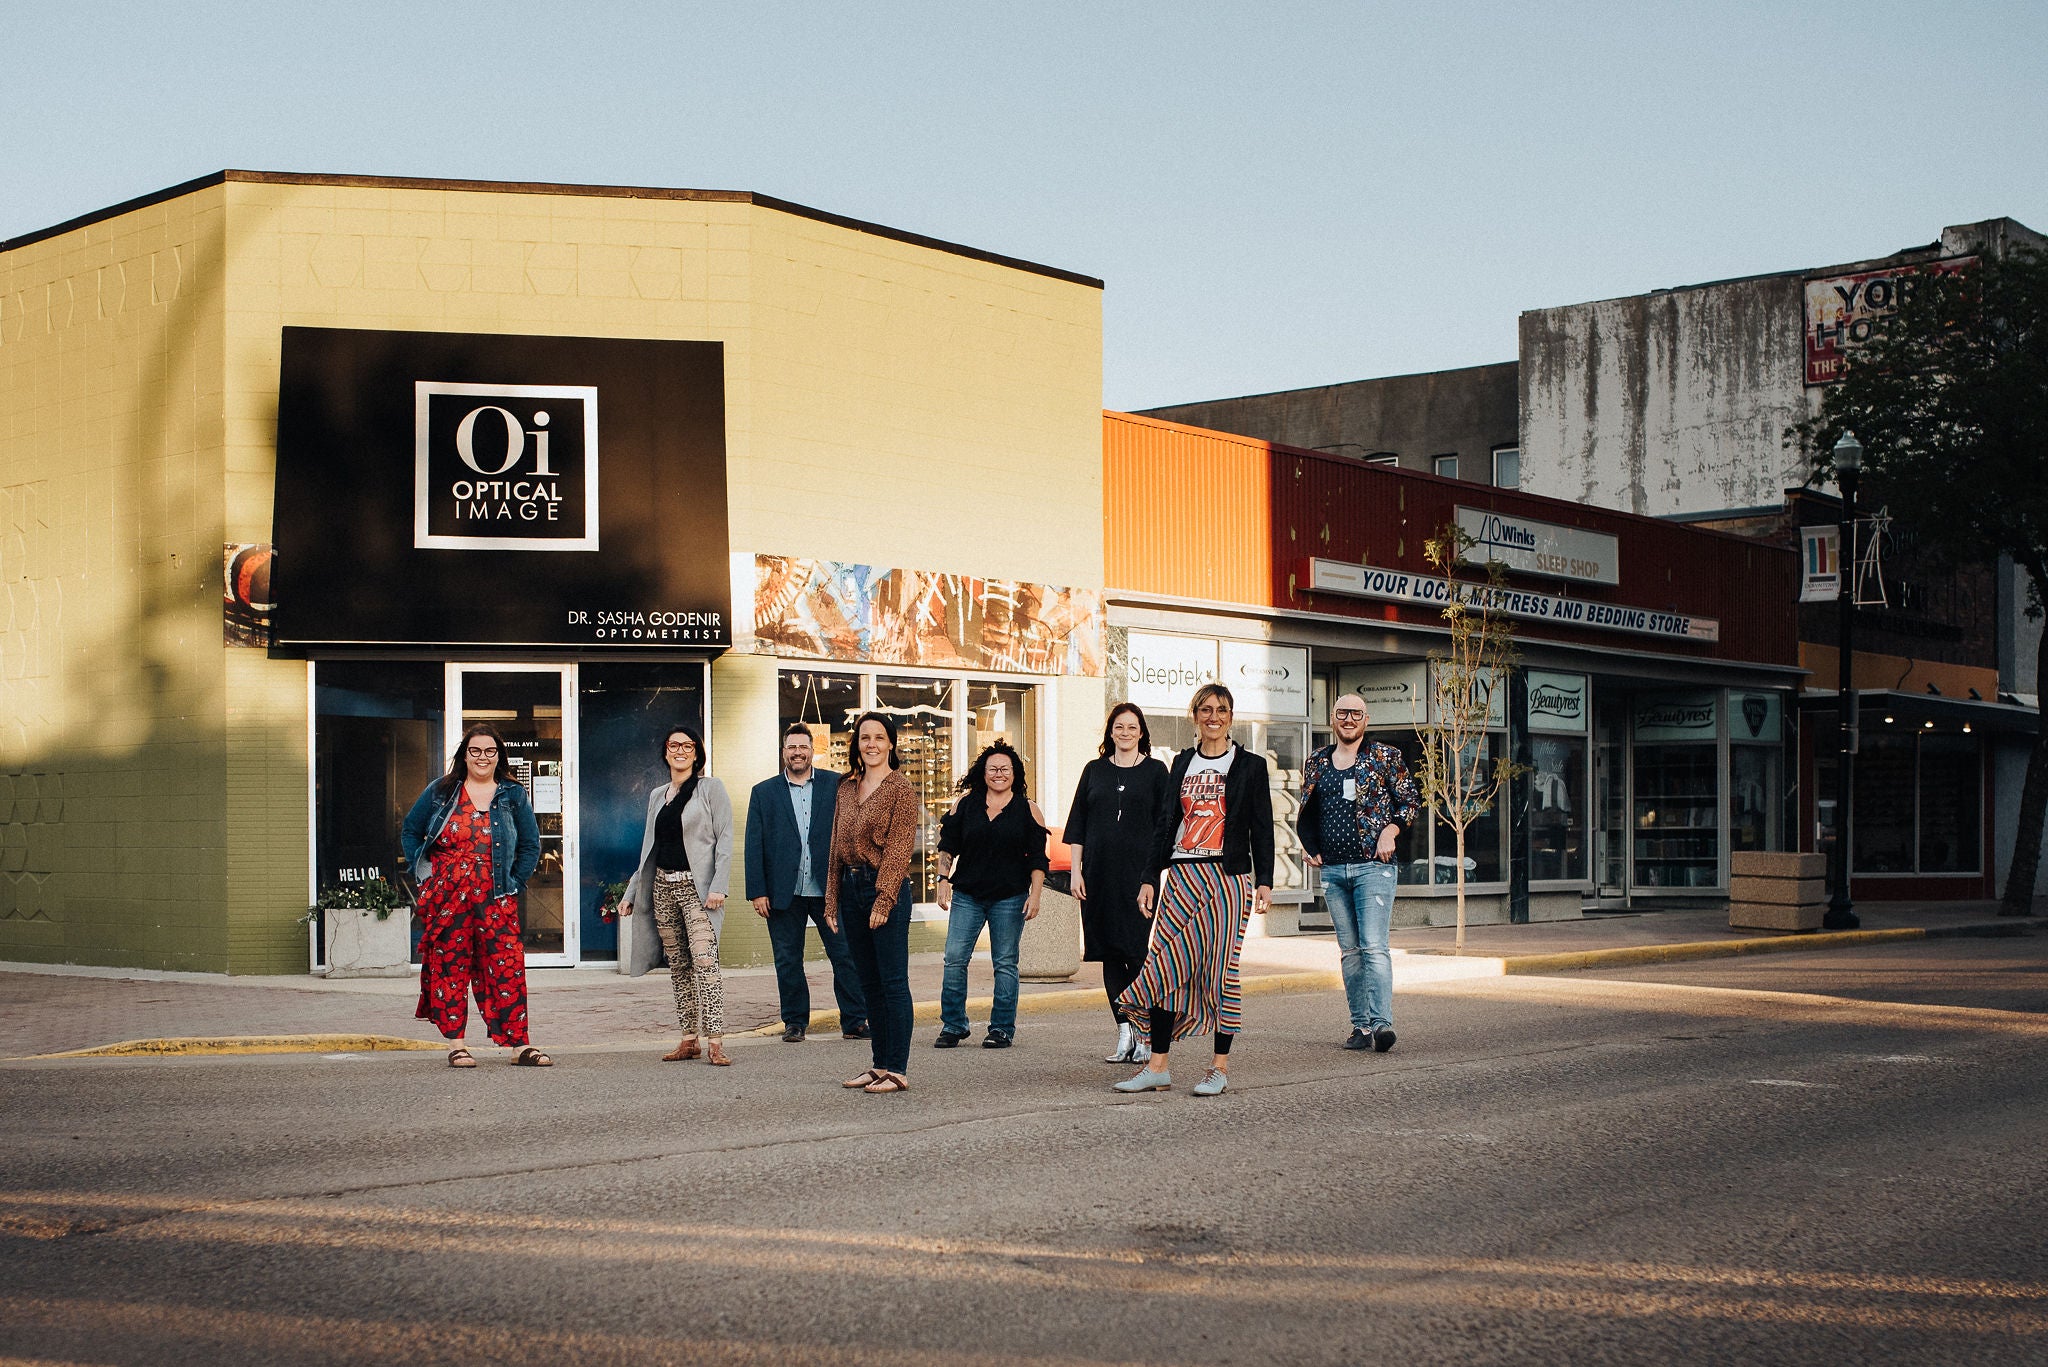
[1461, 775]
[1950, 403]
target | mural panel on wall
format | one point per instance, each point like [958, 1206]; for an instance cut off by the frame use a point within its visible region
[825, 609]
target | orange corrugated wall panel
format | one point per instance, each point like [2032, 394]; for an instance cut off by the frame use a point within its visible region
[1186, 513]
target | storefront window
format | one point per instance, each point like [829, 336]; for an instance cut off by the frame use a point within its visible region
[1754, 778]
[1918, 804]
[923, 712]
[1482, 834]
[626, 711]
[1951, 840]
[1677, 816]
[1882, 818]
[1557, 808]
[1006, 712]
[377, 743]
[825, 703]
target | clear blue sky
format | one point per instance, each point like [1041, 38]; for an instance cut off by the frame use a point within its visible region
[1277, 194]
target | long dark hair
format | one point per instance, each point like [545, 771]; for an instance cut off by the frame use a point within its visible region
[976, 780]
[457, 768]
[697, 766]
[1144, 731]
[854, 766]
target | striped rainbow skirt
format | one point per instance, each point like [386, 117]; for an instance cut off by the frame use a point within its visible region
[1197, 937]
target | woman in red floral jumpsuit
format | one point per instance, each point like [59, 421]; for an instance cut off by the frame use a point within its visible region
[473, 842]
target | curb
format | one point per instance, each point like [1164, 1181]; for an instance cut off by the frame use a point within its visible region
[1727, 949]
[244, 1044]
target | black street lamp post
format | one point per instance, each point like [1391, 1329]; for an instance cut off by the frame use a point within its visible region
[1841, 914]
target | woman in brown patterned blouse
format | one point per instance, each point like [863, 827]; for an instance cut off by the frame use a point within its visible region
[874, 829]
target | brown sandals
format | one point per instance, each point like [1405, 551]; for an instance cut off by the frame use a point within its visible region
[872, 1075]
[682, 1052]
[886, 1082]
[530, 1057]
[460, 1057]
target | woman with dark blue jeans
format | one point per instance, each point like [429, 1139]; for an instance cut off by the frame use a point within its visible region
[874, 830]
[991, 868]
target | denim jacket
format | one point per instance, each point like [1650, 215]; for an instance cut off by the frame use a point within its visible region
[515, 835]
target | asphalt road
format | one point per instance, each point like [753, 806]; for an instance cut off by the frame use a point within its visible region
[1566, 1169]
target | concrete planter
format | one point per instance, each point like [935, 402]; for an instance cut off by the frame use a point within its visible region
[361, 946]
[1051, 948]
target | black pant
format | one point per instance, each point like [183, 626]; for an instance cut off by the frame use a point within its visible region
[1162, 1034]
[786, 936]
[1119, 973]
[883, 959]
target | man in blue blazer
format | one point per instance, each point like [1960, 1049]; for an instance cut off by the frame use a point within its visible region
[789, 836]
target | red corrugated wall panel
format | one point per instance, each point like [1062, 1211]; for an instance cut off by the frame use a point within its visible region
[1206, 515]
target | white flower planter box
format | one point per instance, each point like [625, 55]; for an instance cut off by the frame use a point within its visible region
[361, 946]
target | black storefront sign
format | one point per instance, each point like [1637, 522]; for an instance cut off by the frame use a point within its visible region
[481, 490]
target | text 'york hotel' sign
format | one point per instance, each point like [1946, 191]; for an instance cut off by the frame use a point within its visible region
[1367, 581]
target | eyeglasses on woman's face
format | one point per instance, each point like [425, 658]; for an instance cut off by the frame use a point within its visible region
[476, 752]
[681, 747]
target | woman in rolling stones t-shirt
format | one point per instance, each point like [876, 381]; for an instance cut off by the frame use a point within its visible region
[1217, 862]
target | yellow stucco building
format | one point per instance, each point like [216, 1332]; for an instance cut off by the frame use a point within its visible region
[907, 434]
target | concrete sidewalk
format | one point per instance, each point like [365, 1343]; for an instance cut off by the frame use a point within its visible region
[54, 1009]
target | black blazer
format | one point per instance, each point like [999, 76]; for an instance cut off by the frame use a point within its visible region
[1247, 817]
[774, 847]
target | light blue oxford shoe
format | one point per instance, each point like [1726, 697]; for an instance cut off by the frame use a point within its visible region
[1212, 1085]
[1146, 1081]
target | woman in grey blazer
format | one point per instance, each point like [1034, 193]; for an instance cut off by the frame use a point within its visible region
[685, 865]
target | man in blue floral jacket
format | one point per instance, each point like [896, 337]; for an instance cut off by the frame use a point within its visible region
[1356, 799]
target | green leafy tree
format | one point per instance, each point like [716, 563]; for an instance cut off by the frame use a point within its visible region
[1950, 402]
[1460, 774]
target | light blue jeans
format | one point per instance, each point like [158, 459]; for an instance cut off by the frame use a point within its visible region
[1005, 922]
[1361, 902]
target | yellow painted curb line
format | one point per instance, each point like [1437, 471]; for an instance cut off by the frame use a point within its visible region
[1702, 949]
[248, 1044]
[1078, 999]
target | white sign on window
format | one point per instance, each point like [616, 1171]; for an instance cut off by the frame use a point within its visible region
[1267, 680]
[1496, 692]
[1165, 671]
[1557, 702]
[1677, 716]
[1755, 718]
[1395, 695]
[1542, 548]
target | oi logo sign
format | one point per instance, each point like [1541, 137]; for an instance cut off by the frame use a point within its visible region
[505, 466]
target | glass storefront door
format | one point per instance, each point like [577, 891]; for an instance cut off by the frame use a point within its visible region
[532, 708]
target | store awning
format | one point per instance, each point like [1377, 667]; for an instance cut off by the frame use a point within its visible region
[1907, 710]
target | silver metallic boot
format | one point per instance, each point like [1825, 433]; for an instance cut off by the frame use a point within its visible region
[1126, 1039]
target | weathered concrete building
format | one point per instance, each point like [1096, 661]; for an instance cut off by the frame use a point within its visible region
[1675, 403]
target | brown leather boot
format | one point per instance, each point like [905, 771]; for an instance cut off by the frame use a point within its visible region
[682, 1052]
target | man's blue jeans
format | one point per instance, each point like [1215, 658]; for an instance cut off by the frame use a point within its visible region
[1005, 922]
[1361, 902]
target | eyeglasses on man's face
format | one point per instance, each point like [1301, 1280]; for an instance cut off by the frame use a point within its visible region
[475, 753]
[1350, 714]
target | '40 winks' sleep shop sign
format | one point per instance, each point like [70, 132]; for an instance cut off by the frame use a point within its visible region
[458, 489]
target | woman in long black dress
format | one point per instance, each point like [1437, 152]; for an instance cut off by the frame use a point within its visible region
[1116, 809]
